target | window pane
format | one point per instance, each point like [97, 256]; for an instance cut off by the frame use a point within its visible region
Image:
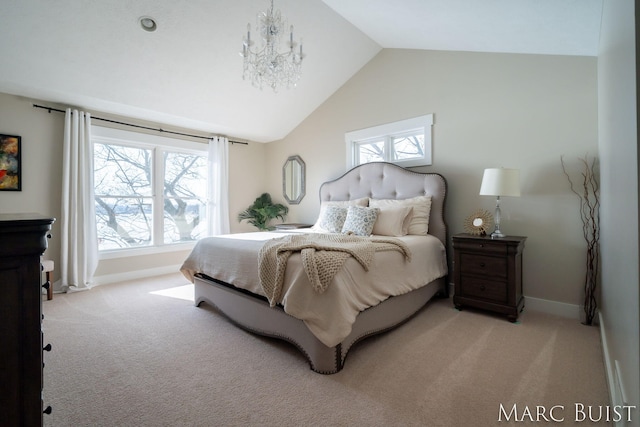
[370, 151]
[122, 171]
[123, 222]
[408, 147]
[184, 220]
[185, 192]
[185, 175]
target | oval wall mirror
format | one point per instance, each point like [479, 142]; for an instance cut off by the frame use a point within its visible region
[293, 179]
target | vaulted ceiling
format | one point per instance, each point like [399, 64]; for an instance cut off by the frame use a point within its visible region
[188, 73]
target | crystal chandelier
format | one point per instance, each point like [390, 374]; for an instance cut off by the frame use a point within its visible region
[266, 66]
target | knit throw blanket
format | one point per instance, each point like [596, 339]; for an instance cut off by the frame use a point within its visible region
[323, 255]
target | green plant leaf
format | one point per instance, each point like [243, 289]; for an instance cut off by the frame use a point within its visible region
[262, 211]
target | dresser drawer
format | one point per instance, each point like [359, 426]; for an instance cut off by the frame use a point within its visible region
[487, 266]
[486, 289]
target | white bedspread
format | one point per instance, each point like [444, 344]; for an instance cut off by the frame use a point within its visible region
[329, 316]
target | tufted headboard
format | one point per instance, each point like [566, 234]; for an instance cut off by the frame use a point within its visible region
[380, 180]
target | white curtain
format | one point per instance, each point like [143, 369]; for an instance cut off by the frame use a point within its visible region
[218, 191]
[79, 257]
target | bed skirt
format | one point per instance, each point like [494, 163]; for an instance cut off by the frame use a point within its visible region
[253, 313]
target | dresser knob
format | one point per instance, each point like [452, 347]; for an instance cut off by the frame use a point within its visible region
[482, 287]
[47, 347]
[482, 264]
[47, 410]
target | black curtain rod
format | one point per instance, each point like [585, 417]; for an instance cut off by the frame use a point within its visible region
[50, 109]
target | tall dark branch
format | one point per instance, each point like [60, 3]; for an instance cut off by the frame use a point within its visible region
[588, 191]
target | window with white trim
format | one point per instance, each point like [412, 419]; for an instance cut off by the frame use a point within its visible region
[150, 191]
[405, 143]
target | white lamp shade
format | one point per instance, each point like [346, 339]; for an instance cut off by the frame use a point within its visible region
[500, 182]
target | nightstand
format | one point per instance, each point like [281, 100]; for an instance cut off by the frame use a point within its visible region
[284, 227]
[488, 273]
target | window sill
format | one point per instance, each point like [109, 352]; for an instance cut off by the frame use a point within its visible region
[147, 250]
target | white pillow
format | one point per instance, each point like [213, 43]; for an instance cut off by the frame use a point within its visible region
[332, 218]
[393, 221]
[360, 220]
[343, 203]
[421, 209]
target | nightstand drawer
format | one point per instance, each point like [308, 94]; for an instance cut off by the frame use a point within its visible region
[488, 266]
[484, 246]
[485, 289]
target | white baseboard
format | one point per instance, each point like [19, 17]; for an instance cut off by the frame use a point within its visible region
[617, 395]
[134, 275]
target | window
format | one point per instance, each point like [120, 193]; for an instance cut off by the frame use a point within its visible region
[406, 143]
[150, 191]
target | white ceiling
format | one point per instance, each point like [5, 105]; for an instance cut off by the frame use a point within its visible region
[188, 73]
[556, 27]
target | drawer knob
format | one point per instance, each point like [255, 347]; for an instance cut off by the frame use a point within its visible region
[482, 287]
[47, 347]
[47, 410]
[482, 264]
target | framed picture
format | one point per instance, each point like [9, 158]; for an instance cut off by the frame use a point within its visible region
[10, 163]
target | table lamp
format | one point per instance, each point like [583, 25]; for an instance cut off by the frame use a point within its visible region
[500, 182]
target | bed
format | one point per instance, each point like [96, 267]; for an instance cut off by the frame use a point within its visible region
[359, 300]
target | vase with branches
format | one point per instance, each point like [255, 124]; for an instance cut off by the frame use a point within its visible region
[262, 211]
[587, 188]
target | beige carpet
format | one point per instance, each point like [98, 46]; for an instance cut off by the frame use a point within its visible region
[137, 354]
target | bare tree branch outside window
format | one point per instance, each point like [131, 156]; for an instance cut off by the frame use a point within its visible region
[398, 147]
[125, 198]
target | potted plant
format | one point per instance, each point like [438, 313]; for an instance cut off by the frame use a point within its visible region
[262, 211]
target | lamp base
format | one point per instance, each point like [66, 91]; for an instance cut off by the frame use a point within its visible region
[496, 231]
[497, 234]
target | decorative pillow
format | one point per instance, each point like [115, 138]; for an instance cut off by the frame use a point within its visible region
[343, 203]
[393, 221]
[360, 220]
[332, 219]
[421, 210]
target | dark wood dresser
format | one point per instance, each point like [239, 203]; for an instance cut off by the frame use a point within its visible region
[488, 273]
[23, 239]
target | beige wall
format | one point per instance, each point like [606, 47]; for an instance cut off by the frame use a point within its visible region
[520, 111]
[618, 108]
[42, 134]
